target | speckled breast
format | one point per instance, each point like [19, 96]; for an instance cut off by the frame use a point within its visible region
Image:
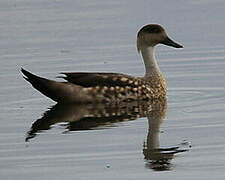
[129, 89]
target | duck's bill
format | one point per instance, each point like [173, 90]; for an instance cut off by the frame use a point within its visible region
[170, 42]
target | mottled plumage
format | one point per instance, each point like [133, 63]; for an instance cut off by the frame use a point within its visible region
[107, 87]
[111, 87]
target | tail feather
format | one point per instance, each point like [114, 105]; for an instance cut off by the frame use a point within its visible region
[62, 92]
[33, 79]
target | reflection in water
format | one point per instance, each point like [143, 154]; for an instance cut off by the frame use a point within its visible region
[158, 158]
[88, 116]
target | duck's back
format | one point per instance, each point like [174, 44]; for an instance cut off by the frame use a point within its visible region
[98, 87]
[108, 87]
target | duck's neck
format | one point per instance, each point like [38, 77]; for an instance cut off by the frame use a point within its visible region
[151, 66]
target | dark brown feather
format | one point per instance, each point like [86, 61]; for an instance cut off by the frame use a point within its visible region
[98, 79]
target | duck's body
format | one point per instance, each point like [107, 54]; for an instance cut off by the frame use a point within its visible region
[99, 87]
[119, 87]
[111, 87]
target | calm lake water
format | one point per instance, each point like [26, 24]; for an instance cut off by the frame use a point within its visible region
[182, 138]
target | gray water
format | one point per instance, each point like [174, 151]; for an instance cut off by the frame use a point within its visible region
[48, 37]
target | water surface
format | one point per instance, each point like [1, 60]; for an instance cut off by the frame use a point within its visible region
[47, 37]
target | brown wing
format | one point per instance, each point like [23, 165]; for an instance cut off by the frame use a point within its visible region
[98, 79]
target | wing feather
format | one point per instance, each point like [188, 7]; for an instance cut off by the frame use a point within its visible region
[98, 79]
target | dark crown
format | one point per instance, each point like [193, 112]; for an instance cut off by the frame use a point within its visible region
[151, 28]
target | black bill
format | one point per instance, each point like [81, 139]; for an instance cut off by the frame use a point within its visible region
[170, 42]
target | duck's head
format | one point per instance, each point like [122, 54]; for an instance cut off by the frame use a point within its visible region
[153, 34]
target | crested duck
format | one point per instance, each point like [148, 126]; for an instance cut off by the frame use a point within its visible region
[91, 87]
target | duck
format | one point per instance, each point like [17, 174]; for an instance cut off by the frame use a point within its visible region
[104, 87]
